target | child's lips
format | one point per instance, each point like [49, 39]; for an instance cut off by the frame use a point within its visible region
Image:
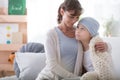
[77, 37]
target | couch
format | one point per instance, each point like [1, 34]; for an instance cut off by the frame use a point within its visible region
[37, 61]
[115, 44]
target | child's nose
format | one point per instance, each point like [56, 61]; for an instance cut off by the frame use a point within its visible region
[77, 32]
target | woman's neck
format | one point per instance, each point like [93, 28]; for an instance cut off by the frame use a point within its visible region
[68, 31]
[65, 27]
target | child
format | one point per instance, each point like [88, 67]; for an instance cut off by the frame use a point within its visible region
[87, 33]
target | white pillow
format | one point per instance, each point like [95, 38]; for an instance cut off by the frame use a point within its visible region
[30, 64]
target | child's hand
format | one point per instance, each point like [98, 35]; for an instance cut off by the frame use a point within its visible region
[101, 46]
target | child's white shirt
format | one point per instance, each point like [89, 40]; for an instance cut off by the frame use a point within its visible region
[87, 63]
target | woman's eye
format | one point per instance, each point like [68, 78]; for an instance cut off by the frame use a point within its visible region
[71, 16]
[74, 17]
[77, 17]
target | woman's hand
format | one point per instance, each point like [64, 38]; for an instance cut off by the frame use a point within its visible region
[101, 46]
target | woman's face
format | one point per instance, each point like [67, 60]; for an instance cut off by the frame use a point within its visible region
[69, 19]
[82, 33]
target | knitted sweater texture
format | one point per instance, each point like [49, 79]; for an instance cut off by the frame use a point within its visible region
[102, 63]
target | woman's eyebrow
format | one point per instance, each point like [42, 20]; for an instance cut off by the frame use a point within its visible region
[74, 15]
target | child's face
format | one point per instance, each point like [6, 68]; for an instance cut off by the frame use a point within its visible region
[82, 33]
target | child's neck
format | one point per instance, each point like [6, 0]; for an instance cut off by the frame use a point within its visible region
[85, 45]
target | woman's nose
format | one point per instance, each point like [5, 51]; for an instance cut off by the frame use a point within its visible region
[74, 20]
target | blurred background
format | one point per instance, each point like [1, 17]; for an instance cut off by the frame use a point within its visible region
[42, 16]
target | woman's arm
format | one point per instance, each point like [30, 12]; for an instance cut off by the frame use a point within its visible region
[103, 46]
[52, 56]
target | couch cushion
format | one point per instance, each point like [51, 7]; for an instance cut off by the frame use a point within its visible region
[30, 64]
[29, 47]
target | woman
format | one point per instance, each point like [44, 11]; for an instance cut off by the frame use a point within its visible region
[63, 52]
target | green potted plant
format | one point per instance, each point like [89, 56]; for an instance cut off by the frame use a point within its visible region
[111, 27]
[107, 26]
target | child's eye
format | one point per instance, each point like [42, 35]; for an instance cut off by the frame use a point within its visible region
[82, 28]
